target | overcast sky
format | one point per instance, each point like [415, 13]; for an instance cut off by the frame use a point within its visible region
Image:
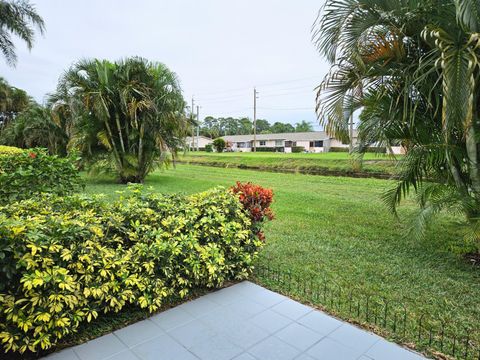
[220, 49]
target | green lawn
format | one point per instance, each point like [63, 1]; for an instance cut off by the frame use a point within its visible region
[332, 163]
[337, 228]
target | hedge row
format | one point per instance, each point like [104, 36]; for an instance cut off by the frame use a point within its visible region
[65, 260]
[25, 173]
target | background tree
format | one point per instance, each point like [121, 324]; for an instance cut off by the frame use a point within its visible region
[263, 126]
[279, 127]
[303, 126]
[219, 144]
[126, 116]
[12, 102]
[413, 66]
[35, 127]
[18, 18]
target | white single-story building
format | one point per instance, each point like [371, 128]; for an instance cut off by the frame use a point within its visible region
[314, 141]
[197, 142]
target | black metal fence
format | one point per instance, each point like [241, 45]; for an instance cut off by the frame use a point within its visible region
[424, 332]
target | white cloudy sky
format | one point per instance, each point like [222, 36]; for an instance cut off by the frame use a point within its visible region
[220, 49]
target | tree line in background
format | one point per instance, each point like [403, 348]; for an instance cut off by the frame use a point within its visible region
[214, 127]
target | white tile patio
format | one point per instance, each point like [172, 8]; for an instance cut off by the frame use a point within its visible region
[242, 322]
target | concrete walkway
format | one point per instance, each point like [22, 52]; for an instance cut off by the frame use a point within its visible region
[242, 322]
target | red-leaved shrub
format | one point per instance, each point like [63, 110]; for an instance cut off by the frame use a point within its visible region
[256, 201]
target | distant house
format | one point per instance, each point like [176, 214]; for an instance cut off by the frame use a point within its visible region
[197, 142]
[315, 141]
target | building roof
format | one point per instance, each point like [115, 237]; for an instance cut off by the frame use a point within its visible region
[189, 138]
[306, 136]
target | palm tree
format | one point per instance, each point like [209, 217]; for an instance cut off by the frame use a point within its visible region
[12, 102]
[413, 67]
[19, 18]
[36, 127]
[127, 116]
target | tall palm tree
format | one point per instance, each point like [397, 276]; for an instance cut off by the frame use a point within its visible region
[19, 18]
[127, 115]
[413, 67]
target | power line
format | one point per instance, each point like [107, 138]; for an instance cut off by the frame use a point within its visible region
[261, 85]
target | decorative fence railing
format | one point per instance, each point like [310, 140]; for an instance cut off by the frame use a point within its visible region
[438, 338]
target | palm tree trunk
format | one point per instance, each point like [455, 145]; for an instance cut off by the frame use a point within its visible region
[120, 133]
[472, 151]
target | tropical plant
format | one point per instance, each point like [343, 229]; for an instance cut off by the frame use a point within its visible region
[12, 102]
[19, 18]
[28, 173]
[413, 67]
[65, 260]
[126, 116]
[36, 127]
[219, 144]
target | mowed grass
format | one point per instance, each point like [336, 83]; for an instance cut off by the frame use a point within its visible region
[332, 162]
[338, 228]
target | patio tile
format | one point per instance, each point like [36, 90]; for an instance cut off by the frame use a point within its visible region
[299, 336]
[291, 309]
[172, 318]
[124, 355]
[273, 349]
[320, 322]
[245, 356]
[216, 348]
[138, 332]
[304, 357]
[354, 337]
[245, 308]
[387, 350]
[328, 349]
[271, 321]
[162, 348]
[225, 296]
[199, 307]
[220, 319]
[100, 348]
[67, 354]
[244, 333]
[259, 294]
[191, 333]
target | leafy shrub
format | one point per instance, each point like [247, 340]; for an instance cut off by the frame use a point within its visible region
[209, 148]
[10, 150]
[30, 172]
[298, 149]
[65, 260]
[270, 149]
[219, 144]
[339, 149]
[256, 200]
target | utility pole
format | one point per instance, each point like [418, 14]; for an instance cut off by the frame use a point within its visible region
[255, 93]
[198, 126]
[193, 127]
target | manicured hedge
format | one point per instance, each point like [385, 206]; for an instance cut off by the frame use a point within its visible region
[67, 260]
[298, 149]
[10, 150]
[26, 173]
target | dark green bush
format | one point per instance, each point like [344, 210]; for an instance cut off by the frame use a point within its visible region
[270, 149]
[219, 144]
[209, 148]
[298, 149]
[34, 171]
[339, 149]
[66, 260]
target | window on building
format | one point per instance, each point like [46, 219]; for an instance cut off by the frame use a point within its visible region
[288, 144]
[316, 143]
[278, 142]
[263, 143]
